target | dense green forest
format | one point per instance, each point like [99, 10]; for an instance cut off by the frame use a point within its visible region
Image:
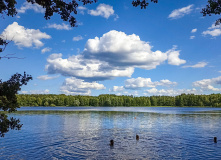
[213, 100]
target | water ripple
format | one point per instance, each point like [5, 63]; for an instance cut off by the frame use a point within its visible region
[87, 135]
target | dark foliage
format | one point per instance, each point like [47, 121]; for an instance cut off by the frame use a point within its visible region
[213, 7]
[68, 8]
[8, 100]
[142, 3]
[3, 43]
[8, 7]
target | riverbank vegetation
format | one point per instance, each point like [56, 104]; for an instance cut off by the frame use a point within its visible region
[213, 100]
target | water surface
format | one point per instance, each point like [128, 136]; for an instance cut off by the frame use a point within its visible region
[85, 132]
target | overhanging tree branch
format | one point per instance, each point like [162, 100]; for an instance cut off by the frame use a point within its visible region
[8, 56]
[68, 8]
[8, 101]
[213, 7]
[142, 3]
[4, 44]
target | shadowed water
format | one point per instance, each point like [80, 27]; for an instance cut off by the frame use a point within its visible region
[85, 132]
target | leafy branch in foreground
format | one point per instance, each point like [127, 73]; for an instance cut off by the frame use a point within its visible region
[67, 9]
[4, 44]
[142, 3]
[213, 7]
[8, 101]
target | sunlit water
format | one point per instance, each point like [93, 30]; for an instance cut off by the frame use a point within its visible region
[85, 132]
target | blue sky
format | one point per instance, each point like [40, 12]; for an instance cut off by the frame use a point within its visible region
[167, 49]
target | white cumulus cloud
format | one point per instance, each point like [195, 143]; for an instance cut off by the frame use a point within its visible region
[198, 65]
[29, 6]
[62, 26]
[77, 38]
[120, 49]
[178, 13]
[76, 86]
[24, 37]
[214, 26]
[171, 92]
[46, 91]
[115, 54]
[47, 49]
[82, 9]
[103, 10]
[46, 77]
[79, 67]
[136, 83]
[117, 88]
[24, 92]
[209, 84]
[214, 30]
[173, 57]
[194, 30]
[192, 37]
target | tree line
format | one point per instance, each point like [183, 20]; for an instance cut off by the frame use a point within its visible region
[188, 100]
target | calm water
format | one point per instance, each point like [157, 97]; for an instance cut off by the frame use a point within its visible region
[85, 132]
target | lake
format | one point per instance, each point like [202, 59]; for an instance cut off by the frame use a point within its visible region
[85, 133]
